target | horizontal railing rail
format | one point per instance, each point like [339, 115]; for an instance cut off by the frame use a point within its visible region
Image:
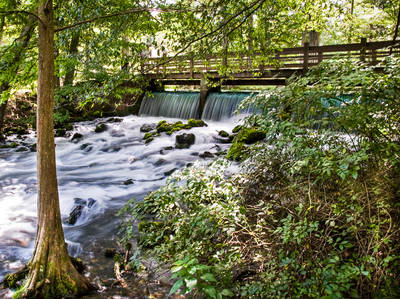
[288, 60]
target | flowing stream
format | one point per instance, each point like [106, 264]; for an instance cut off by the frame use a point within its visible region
[96, 167]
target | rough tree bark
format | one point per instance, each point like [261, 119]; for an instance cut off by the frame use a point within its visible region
[51, 272]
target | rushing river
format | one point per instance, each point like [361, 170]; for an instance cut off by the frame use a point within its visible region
[96, 167]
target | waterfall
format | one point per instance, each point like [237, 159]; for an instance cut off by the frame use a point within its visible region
[171, 104]
[222, 105]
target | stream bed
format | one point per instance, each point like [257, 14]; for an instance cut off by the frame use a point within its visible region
[103, 171]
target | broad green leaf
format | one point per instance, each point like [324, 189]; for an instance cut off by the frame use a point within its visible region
[208, 277]
[176, 286]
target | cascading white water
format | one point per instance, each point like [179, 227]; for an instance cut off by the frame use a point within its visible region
[219, 105]
[98, 166]
[222, 105]
[171, 104]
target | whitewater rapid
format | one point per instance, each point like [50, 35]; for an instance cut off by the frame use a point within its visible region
[96, 167]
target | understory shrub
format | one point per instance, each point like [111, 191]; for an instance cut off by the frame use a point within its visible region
[313, 212]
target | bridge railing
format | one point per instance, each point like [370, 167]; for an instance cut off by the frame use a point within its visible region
[298, 58]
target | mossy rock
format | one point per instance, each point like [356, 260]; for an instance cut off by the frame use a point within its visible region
[223, 133]
[237, 152]
[237, 129]
[163, 126]
[250, 135]
[149, 136]
[100, 128]
[13, 145]
[196, 123]
[14, 280]
[148, 140]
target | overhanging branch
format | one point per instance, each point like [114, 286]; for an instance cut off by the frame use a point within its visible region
[13, 12]
[123, 13]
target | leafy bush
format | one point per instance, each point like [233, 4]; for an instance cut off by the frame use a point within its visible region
[314, 212]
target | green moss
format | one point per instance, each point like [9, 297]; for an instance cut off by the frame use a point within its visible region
[237, 151]
[196, 123]
[13, 145]
[223, 134]
[163, 126]
[149, 136]
[19, 293]
[148, 140]
[237, 129]
[250, 135]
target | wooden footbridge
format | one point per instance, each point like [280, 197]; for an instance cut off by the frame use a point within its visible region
[251, 70]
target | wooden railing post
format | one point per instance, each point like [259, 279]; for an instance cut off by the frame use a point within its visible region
[363, 49]
[191, 66]
[320, 56]
[164, 66]
[305, 57]
[374, 60]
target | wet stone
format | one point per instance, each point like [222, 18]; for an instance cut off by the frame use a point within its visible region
[223, 133]
[148, 127]
[100, 128]
[90, 202]
[169, 172]
[85, 146]
[76, 137]
[75, 214]
[222, 140]
[128, 182]
[184, 140]
[160, 162]
[78, 209]
[114, 120]
[22, 149]
[206, 155]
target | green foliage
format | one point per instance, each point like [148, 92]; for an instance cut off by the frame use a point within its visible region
[314, 213]
[135, 261]
[196, 277]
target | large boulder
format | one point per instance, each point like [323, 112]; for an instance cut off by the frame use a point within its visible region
[184, 140]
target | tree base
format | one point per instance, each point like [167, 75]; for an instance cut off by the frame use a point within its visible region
[64, 286]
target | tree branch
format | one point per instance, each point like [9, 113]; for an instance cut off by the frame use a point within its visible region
[257, 4]
[122, 13]
[12, 12]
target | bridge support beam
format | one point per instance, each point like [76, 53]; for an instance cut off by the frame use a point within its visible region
[205, 89]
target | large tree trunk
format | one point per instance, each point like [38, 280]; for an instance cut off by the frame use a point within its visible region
[73, 50]
[51, 272]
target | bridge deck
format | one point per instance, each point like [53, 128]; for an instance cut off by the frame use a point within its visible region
[253, 70]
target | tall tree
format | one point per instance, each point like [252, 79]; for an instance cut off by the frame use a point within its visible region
[51, 272]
